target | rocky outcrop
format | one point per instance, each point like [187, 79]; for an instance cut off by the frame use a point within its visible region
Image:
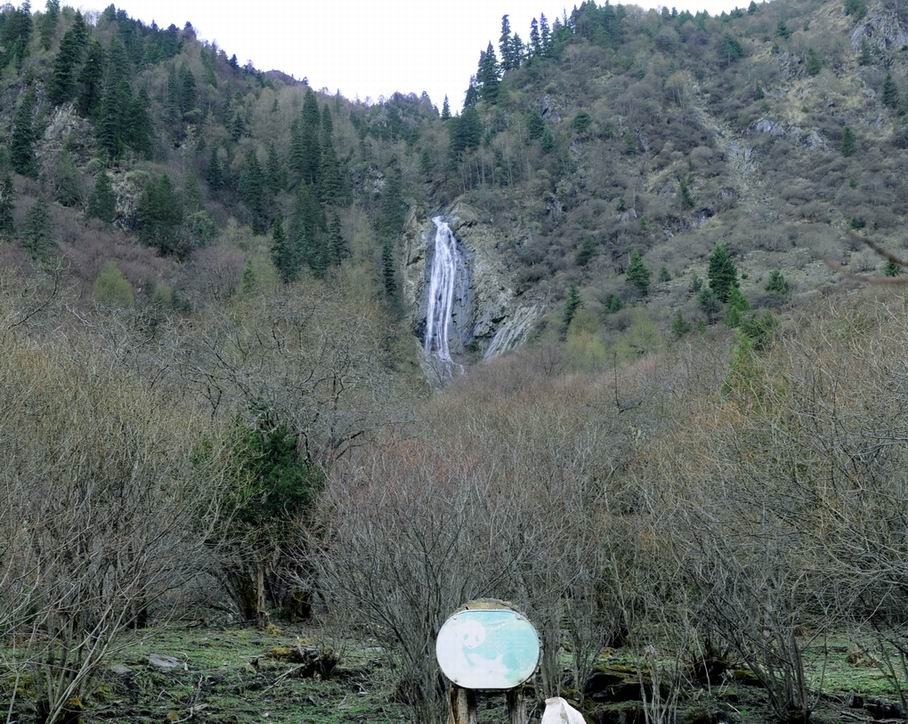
[886, 30]
[489, 317]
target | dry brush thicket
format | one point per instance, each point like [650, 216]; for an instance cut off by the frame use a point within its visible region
[705, 516]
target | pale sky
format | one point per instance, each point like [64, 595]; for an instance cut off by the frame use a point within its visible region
[366, 48]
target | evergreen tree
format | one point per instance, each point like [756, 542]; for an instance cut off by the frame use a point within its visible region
[330, 186]
[892, 269]
[489, 75]
[535, 125]
[518, 50]
[277, 177]
[36, 237]
[472, 95]
[777, 284]
[722, 274]
[138, 123]
[160, 217]
[505, 45]
[680, 326]
[49, 22]
[306, 227]
[571, 304]
[187, 91]
[22, 154]
[213, 175]
[890, 92]
[535, 41]
[445, 110]
[252, 191]
[866, 52]
[849, 144]
[664, 276]
[69, 57]
[390, 223]
[67, 184]
[297, 152]
[613, 304]
[336, 242]
[283, 253]
[91, 81]
[103, 203]
[782, 30]
[7, 224]
[638, 274]
[545, 35]
[310, 126]
[465, 133]
[735, 308]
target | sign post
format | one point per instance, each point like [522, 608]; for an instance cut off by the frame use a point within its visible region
[487, 646]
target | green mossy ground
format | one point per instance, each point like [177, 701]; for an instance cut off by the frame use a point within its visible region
[233, 675]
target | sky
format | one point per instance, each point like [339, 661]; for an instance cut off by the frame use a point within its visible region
[366, 48]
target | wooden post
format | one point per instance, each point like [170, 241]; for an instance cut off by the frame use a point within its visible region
[517, 707]
[461, 706]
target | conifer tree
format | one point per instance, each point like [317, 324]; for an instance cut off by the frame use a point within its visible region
[849, 144]
[306, 229]
[535, 41]
[336, 242]
[545, 35]
[866, 53]
[892, 269]
[252, 188]
[680, 326]
[160, 217]
[710, 305]
[91, 81]
[283, 253]
[638, 274]
[310, 127]
[138, 123]
[103, 203]
[735, 308]
[777, 284]
[7, 224]
[504, 45]
[782, 30]
[213, 174]
[890, 92]
[187, 91]
[36, 238]
[445, 110]
[297, 152]
[390, 222]
[22, 154]
[472, 95]
[276, 176]
[49, 22]
[517, 51]
[571, 304]
[489, 75]
[69, 57]
[722, 273]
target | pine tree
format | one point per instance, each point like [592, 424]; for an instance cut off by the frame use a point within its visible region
[49, 22]
[252, 188]
[680, 326]
[7, 224]
[890, 92]
[535, 125]
[518, 51]
[160, 217]
[572, 303]
[103, 204]
[777, 284]
[310, 126]
[613, 304]
[283, 253]
[69, 57]
[91, 81]
[22, 154]
[213, 174]
[336, 242]
[735, 308]
[638, 274]
[472, 95]
[390, 222]
[505, 45]
[535, 42]
[330, 186]
[782, 30]
[849, 143]
[489, 75]
[664, 276]
[36, 237]
[187, 91]
[138, 123]
[545, 35]
[306, 227]
[722, 274]
[710, 305]
[277, 177]
[445, 110]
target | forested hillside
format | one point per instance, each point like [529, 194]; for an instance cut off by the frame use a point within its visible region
[237, 484]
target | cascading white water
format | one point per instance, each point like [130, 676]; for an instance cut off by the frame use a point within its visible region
[446, 262]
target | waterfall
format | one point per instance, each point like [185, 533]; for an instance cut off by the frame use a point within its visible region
[447, 274]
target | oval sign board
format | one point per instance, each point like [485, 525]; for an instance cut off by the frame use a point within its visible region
[492, 649]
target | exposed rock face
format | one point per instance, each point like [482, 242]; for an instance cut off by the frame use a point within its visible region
[488, 316]
[887, 30]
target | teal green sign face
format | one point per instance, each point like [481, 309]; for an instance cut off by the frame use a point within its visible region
[487, 649]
